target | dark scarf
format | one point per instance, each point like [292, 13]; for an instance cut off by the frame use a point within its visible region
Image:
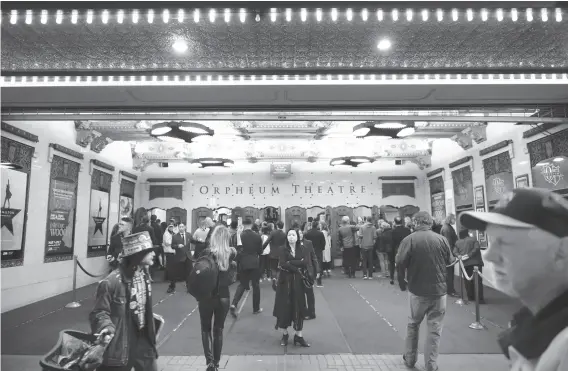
[532, 334]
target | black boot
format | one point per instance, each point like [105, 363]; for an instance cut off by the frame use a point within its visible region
[207, 341]
[284, 340]
[217, 346]
[300, 341]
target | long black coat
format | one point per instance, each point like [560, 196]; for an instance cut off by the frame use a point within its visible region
[290, 302]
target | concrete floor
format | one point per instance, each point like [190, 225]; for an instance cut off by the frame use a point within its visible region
[360, 324]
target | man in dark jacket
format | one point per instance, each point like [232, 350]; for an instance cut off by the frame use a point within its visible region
[318, 241]
[159, 236]
[145, 226]
[123, 312]
[181, 243]
[249, 259]
[277, 241]
[399, 233]
[450, 233]
[423, 257]
[115, 247]
[469, 249]
[313, 268]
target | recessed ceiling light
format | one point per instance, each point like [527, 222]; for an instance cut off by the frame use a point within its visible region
[180, 46]
[384, 44]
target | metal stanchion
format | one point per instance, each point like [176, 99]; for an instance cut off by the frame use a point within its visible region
[74, 303]
[477, 325]
[460, 301]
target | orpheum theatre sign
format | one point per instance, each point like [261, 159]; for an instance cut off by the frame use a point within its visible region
[551, 173]
[289, 189]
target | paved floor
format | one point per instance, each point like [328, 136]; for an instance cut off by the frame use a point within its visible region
[360, 325]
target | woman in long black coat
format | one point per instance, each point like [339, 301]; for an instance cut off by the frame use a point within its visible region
[290, 302]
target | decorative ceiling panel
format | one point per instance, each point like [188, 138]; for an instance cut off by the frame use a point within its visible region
[284, 45]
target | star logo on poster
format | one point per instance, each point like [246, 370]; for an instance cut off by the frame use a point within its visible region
[7, 215]
[98, 224]
[552, 174]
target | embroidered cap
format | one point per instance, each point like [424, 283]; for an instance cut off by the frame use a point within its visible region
[524, 208]
[136, 243]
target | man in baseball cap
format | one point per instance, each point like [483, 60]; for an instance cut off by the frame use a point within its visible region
[528, 247]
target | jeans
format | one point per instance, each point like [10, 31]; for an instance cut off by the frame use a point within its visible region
[384, 262]
[249, 276]
[367, 257]
[434, 308]
[450, 280]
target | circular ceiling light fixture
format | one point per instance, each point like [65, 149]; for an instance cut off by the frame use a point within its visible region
[384, 44]
[210, 162]
[175, 131]
[180, 46]
[352, 161]
[381, 130]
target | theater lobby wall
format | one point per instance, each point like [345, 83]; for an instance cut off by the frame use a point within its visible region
[309, 185]
[504, 140]
[37, 274]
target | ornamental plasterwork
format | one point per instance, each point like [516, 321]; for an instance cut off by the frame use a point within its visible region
[471, 134]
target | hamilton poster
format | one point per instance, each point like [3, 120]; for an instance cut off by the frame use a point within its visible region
[98, 213]
[14, 197]
[61, 209]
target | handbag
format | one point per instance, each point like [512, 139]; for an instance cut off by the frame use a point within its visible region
[307, 280]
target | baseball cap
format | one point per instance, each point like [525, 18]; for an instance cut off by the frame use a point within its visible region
[524, 208]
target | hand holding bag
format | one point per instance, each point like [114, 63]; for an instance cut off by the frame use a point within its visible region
[307, 279]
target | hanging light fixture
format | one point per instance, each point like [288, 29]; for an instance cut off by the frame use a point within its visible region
[352, 161]
[210, 162]
[175, 131]
[387, 129]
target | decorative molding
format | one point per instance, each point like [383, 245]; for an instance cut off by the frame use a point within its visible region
[463, 140]
[99, 142]
[19, 132]
[461, 161]
[435, 172]
[100, 164]
[67, 151]
[495, 147]
[129, 175]
[397, 178]
[423, 162]
[537, 130]
[471, 134]
[166, 180]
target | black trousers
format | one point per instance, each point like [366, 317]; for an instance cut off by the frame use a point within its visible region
[450, 280]
[470, 285]
[214, 310]
[265, 270]
[367, 257]
[273, 264]
[311, 301]
[351, 259]
[247, 277]
[187, 268]
[141, 356]
[391, 256]
[319, 257]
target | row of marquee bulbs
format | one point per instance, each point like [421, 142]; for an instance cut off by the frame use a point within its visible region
[334, 13]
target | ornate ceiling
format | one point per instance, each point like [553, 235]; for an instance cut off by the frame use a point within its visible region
[335, 37]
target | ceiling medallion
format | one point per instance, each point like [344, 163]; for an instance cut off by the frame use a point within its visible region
[352, 161]
[174, 131]
[210, 161]
[384, 129]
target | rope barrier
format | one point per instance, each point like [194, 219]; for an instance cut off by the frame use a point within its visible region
[477, 325]
[75, 303]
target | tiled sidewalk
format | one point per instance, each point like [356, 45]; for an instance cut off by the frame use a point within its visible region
[329, 362]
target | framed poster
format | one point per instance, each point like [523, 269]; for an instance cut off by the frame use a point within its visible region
[98, 213]
[14, 197]
[61, 209]
[522, 181]
[126, 202]
[438, 201]
[480, 206]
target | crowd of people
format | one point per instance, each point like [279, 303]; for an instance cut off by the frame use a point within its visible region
[528, 233]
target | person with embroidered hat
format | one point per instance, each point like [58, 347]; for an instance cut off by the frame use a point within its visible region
[528, 246]
[123, 309]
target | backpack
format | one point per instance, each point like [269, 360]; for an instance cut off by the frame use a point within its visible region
[204, 277]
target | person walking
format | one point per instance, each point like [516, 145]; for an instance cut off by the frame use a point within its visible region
[368, 234]
[399, 233]
[175, 267]
[346, 240]
[123, 312]
[290, 300]
[181, 243]
[313, 271]
[450, 233]
[317, 239]
[423, 257]
[326, 266]
[213, 310]
[277, 241]
[248, 257]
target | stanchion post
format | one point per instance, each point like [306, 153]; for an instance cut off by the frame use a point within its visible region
[477, 324]
[74, 303]
[460, 301]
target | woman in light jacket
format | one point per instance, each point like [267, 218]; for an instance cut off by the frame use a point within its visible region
[326, 266]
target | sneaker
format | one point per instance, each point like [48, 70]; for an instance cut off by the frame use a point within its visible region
[257, 311]
[364, 277]
[319, 285]
[233, 311]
